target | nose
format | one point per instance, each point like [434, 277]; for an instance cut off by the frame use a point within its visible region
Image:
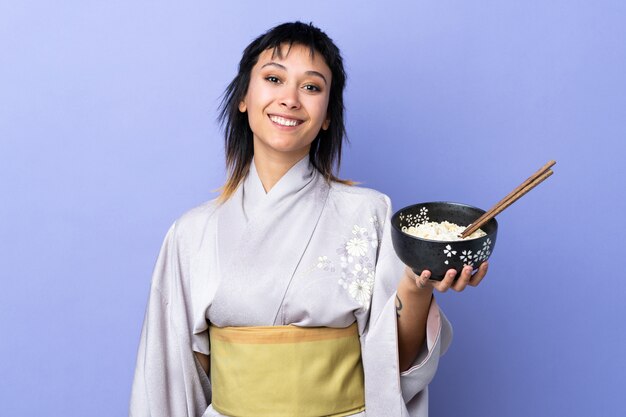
[290, 98]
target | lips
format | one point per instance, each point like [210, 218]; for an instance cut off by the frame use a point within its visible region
[284, 121]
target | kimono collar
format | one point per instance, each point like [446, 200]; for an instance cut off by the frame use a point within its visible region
[294, 180]
[261, 238]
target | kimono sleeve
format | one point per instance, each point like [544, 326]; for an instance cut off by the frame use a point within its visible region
[168, 379]
[380, 352]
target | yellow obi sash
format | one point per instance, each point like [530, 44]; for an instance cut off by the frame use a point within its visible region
[286, 371]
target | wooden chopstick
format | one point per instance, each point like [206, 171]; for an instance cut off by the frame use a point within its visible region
[530, 183]
[528, 180]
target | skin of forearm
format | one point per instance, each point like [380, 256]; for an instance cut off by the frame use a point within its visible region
[412, 305]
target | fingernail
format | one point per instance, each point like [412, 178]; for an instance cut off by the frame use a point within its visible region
[427, 275]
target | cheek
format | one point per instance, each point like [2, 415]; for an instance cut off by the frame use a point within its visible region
[314, 104]
[257, 94]
[323, 107]
[321, 111]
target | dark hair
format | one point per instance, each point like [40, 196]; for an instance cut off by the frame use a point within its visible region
[325, 153]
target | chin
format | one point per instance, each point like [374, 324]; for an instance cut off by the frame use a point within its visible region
[289, 148]
[285, 146]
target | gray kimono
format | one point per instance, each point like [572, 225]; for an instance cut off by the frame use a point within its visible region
[307, 253]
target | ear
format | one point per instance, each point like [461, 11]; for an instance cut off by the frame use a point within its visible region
[242, 106]
[326, 124]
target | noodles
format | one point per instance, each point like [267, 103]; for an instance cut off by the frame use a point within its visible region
[443, 231]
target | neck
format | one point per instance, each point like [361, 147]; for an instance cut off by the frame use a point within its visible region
[271, 166]
[271, 170]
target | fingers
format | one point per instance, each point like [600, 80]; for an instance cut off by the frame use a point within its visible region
[464, 279]
[479, 275]
[422, 280]
[446, 282]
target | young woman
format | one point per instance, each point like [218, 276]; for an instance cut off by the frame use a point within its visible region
[284, 297]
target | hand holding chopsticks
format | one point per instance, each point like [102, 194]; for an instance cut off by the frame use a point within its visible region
[530, 183]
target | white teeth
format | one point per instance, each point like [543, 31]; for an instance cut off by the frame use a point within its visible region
[283, 122]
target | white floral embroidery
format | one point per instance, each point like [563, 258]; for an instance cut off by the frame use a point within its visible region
[326, 264]
[361, 291]
[356, 246]
[355, 263]
[374, 222]
[359, 231]
[363, 271]
[370, 237]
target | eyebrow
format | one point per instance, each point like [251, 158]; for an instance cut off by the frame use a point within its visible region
[310, 72]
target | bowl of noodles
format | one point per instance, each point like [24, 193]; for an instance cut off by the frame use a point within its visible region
[426, 236]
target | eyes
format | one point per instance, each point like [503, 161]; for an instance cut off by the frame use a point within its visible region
[312, 87]
[308, 86]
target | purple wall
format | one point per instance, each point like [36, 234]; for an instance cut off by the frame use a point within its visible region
[108, 133]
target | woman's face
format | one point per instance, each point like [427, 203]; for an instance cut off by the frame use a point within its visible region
[287, 102]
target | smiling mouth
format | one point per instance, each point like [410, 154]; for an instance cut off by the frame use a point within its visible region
[284, 121]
